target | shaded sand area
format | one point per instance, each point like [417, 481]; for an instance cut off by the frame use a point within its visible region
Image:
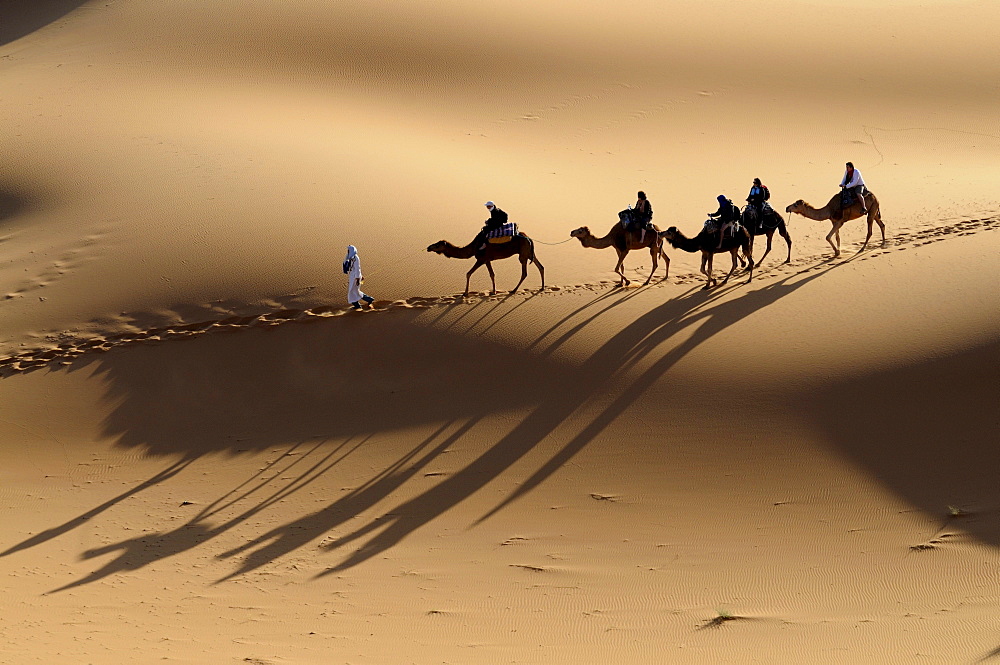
[206, 458]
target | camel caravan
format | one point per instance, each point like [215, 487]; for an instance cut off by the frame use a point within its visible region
[728, 230]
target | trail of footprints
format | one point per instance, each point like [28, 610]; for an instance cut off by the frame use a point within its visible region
[69, 259]
[72, 347]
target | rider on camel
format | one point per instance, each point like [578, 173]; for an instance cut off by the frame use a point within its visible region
[642, 214]
[497, 219]
[853, 182]
[727, 215]
[759, 193]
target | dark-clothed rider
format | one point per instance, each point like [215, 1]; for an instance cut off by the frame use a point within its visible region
[758, 194]
[725, 216]
[642, 214]
[497, 217]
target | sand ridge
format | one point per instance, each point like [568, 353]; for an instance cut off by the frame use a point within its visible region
[69, 347]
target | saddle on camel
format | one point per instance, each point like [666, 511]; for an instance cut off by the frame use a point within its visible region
[503, 234]
[636, 222]
[838, 211]
[491, 244]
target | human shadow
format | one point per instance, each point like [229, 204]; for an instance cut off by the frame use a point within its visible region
[929, 431]
[22, 17]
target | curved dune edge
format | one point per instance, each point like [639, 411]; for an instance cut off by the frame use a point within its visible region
[64, 353]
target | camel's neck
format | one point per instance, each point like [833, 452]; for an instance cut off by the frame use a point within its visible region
[453, 252]
[685, 244]
[819, 214]
[598, 243]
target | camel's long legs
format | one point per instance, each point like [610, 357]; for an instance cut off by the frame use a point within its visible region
[493, 277]
[468, 276]
[770, 235]
[524, 273]
[788, 239]
[834, 232]
[621, 270]
[734, 251]
[652, 253]
[541, 270]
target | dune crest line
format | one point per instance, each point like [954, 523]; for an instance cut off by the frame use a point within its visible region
[65, 352]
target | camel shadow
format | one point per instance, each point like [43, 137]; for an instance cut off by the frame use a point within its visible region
[136, 553]
[54, 532]
[261, 388]
[632, 344]
[249, 392]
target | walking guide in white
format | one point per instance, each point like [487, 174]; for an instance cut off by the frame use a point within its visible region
[352, 268]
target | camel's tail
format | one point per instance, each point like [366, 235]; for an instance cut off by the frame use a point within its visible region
[531, 244]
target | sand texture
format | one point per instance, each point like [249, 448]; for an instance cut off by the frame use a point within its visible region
[206, 456]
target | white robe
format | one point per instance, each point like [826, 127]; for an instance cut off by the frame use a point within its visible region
[354, 292]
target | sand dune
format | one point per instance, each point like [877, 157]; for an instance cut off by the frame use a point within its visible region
[207, 457]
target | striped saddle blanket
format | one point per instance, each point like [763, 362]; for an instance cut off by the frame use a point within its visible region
[503, 234]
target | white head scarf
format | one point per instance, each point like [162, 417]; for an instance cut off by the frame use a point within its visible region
[352, 253]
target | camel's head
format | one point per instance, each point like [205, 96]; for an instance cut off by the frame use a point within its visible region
[437, 247]
[670, 234]
[796, 207]
[581, 232]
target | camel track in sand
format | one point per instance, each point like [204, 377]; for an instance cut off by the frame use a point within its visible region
[63, 353]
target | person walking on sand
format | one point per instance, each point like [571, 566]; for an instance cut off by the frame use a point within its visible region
[853, 182]
[352, 268]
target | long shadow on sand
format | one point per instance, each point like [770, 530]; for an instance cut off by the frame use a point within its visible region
[636, 341]
[261, 388]
[10, 204]
[612, 361]
[22, 17]
[930, 431]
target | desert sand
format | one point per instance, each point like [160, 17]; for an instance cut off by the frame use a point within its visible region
[207, 457]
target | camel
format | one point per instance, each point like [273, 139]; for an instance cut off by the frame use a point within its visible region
[520, 245]
[772, 222]
[623, 241]
[707, 243]
[837, 215]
